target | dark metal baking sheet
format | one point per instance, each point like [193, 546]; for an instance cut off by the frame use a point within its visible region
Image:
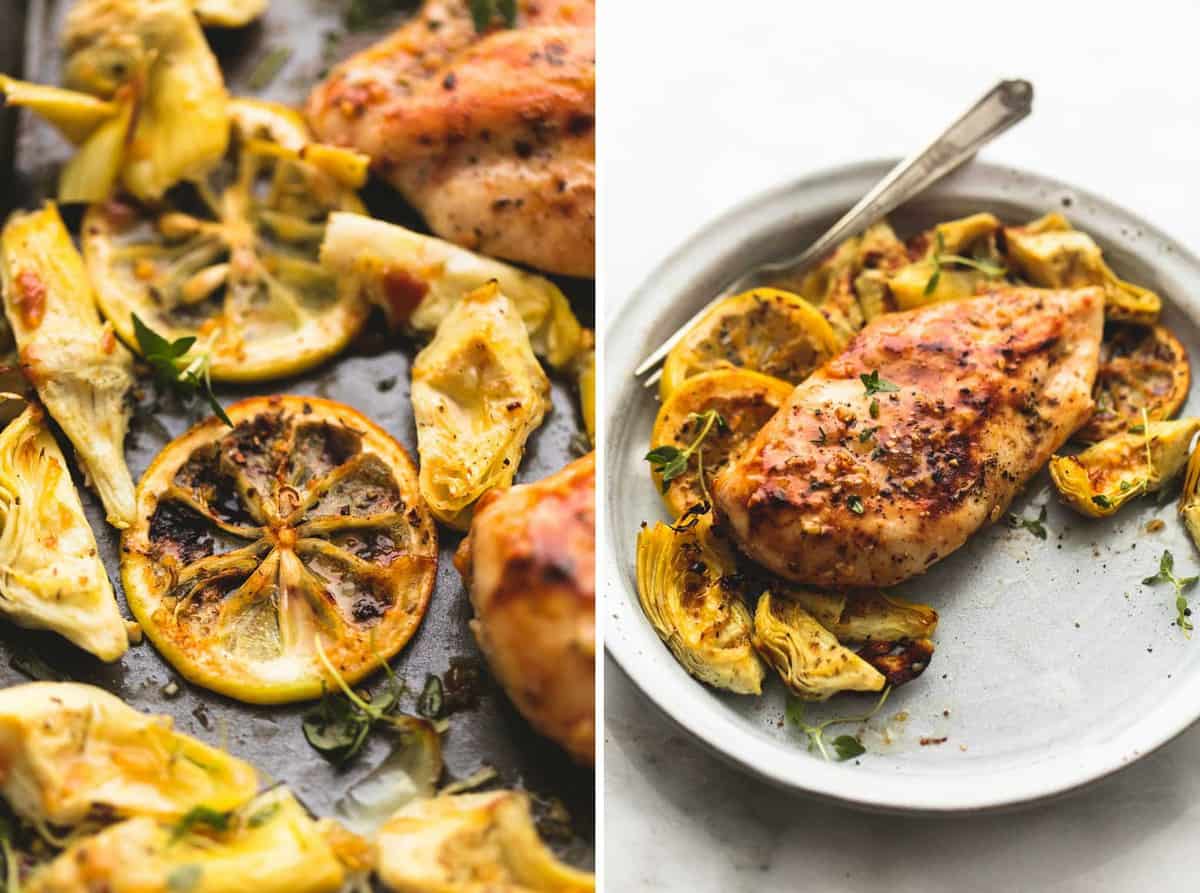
[492, 733]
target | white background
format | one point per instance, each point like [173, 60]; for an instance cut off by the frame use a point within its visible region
[706, 103]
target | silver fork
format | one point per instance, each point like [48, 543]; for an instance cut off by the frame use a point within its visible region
[999, 109]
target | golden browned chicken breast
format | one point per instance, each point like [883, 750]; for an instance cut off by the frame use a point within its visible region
[529, 563]
[888, 457]
[490, 136]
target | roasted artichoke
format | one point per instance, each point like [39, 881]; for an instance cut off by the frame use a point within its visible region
[269, 846]
[469, 843]
[228, 13]
[81, 371]
[149, 56]
[584, 367]
[477, 394]
[73, 750]
[1052, 254]
[1189, 499]
[51, 576]
[419, 279]
[956, 259]
[1105, 476]
[809, 658]
[690, 592]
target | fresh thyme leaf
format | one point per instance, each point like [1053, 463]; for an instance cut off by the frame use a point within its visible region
[1103, 501]
[987, 268]
[508, 12]
[1166, 574]
[184, 878]
[430, 703]
[1033, 525]
[855, 504]
[820, 439]
[1125, 486]
[197, 817]
[848, 747]
[939, 247]
[669, 462]
[866, 434]
[874, 408]
[876, 385]
[269, 67]
[932, 284]
[172, 370]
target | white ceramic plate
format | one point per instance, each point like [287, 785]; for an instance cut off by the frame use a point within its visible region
[1055, 666]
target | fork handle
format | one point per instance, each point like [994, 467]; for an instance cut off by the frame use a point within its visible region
[999, 109]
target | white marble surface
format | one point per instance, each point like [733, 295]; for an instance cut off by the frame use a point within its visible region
[705, 103]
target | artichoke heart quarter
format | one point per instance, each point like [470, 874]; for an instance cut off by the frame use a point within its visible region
[270, 846]
[685, 586]
[471, 842]
[81, 371]
[478, 393]
[807, 656]
[51, 576]
[1105, 476]
[73, 750]
[419, 279]
[1189, 499]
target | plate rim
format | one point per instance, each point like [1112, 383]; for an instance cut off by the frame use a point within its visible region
[1040, 781]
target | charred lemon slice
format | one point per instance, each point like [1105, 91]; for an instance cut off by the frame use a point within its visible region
[765, 330]
[233, 258]
[301, 526]
[1141, 368]
[745, 401]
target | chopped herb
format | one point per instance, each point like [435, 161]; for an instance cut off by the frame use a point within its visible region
[820, 439]
[866, 434]
[669, 461]
[268, 68]
[187, 378]
[261, 817]
[1125, 486]
[816, 733]
[485, 12]
[855, 504]
[184, 878]
[198, 817]
[1137, 429]
[848, 747]
[1166, 574]
[429, 704]
[991, 270]
[874, 407]
[876, 385]
[1034, 526]
[1103, 501]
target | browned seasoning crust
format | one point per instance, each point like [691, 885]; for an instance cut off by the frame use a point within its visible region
[490, 136]
[835, 491]
[529, 564]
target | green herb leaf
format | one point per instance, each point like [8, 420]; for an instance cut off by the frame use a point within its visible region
[184, 878]
[669, 462]
[866, 434]
[874, 407]
[854, 504]
[795, 713]
[1033, 525]
[820, 439]
[482, 13]
[876, 385]
[260, 817]
[508, 12]
[1103, 501]
[172, 370]
[269, 67]
[200, 817]
[430, 703]
[1166, 574]
[848, 747]
[932, 284]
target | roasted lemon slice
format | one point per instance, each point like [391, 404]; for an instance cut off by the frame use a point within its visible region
[765, 330]
[232, 258]
[745, 401]
[300, 532]
[1141, 368]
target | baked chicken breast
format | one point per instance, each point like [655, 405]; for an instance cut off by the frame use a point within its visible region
[490, 136]
[892, 454]
[529, 563]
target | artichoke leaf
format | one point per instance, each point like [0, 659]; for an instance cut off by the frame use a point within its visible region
[866, 615]
[927, 280]
[228, 13]
[584, 367]
[92, 173]
[1189, 499]
[1050, 253]
[51, 576]
[478, 392]
[1108, 474]
[685, 577]
[74, 114]
[269, 846]
[80, 370]
[813, 664]
[71, 749]
[419, 279]
[468, 842]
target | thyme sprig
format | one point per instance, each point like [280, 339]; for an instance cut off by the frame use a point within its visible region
[940, 257]
[845, 746]
[1166, 574]
[188, 378]
[670, 461]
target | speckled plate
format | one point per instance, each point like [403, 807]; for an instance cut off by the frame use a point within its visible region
[1055, 666]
